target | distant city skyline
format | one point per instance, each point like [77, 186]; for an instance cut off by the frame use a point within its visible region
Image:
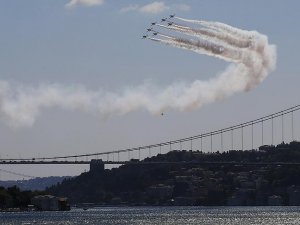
[97, 45]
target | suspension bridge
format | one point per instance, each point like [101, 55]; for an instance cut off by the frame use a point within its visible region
[225, 139]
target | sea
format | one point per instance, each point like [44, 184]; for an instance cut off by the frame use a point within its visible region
[159, 216]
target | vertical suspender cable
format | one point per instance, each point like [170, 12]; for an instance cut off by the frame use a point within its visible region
[242, 138]
[282, 129]
[252, 135]
[292, 125]
[262, 132]
[201, 144]
[272, 130]
[231, 139]
[211, 142]
[222, 140]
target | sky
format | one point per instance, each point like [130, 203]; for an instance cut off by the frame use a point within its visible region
[96, 45]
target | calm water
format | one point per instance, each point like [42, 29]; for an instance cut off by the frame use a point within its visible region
[160, 215]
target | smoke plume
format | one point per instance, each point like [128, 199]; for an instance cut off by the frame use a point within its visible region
[250, 55]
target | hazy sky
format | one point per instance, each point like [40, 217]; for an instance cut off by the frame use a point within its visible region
[96, 44]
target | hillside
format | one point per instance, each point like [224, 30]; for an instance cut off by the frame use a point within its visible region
[38, 184]
[193, 184]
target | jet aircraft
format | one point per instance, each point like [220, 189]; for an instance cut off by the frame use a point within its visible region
[172, 15]
[149, 29]
[152, 24]
[170, 23]
[163, 19]
[144, 36]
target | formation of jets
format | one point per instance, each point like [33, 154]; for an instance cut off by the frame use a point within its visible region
[154, 34]
[169, 23]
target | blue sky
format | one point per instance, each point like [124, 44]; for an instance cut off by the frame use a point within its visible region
[98, 45]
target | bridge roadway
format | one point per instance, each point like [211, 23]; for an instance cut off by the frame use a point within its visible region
[136, 162]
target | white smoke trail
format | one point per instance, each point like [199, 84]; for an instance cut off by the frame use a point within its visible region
[165, 36]
[20, 106]
[222, 27]
[259, 58]
[180, 44]
[205, 47]
[208, 34]
[169, 26]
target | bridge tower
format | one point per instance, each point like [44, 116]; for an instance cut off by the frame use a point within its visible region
[96, 165]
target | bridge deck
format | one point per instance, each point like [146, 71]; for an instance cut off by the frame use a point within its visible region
[145, 163]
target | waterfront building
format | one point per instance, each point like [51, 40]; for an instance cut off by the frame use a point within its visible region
[50, 203]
